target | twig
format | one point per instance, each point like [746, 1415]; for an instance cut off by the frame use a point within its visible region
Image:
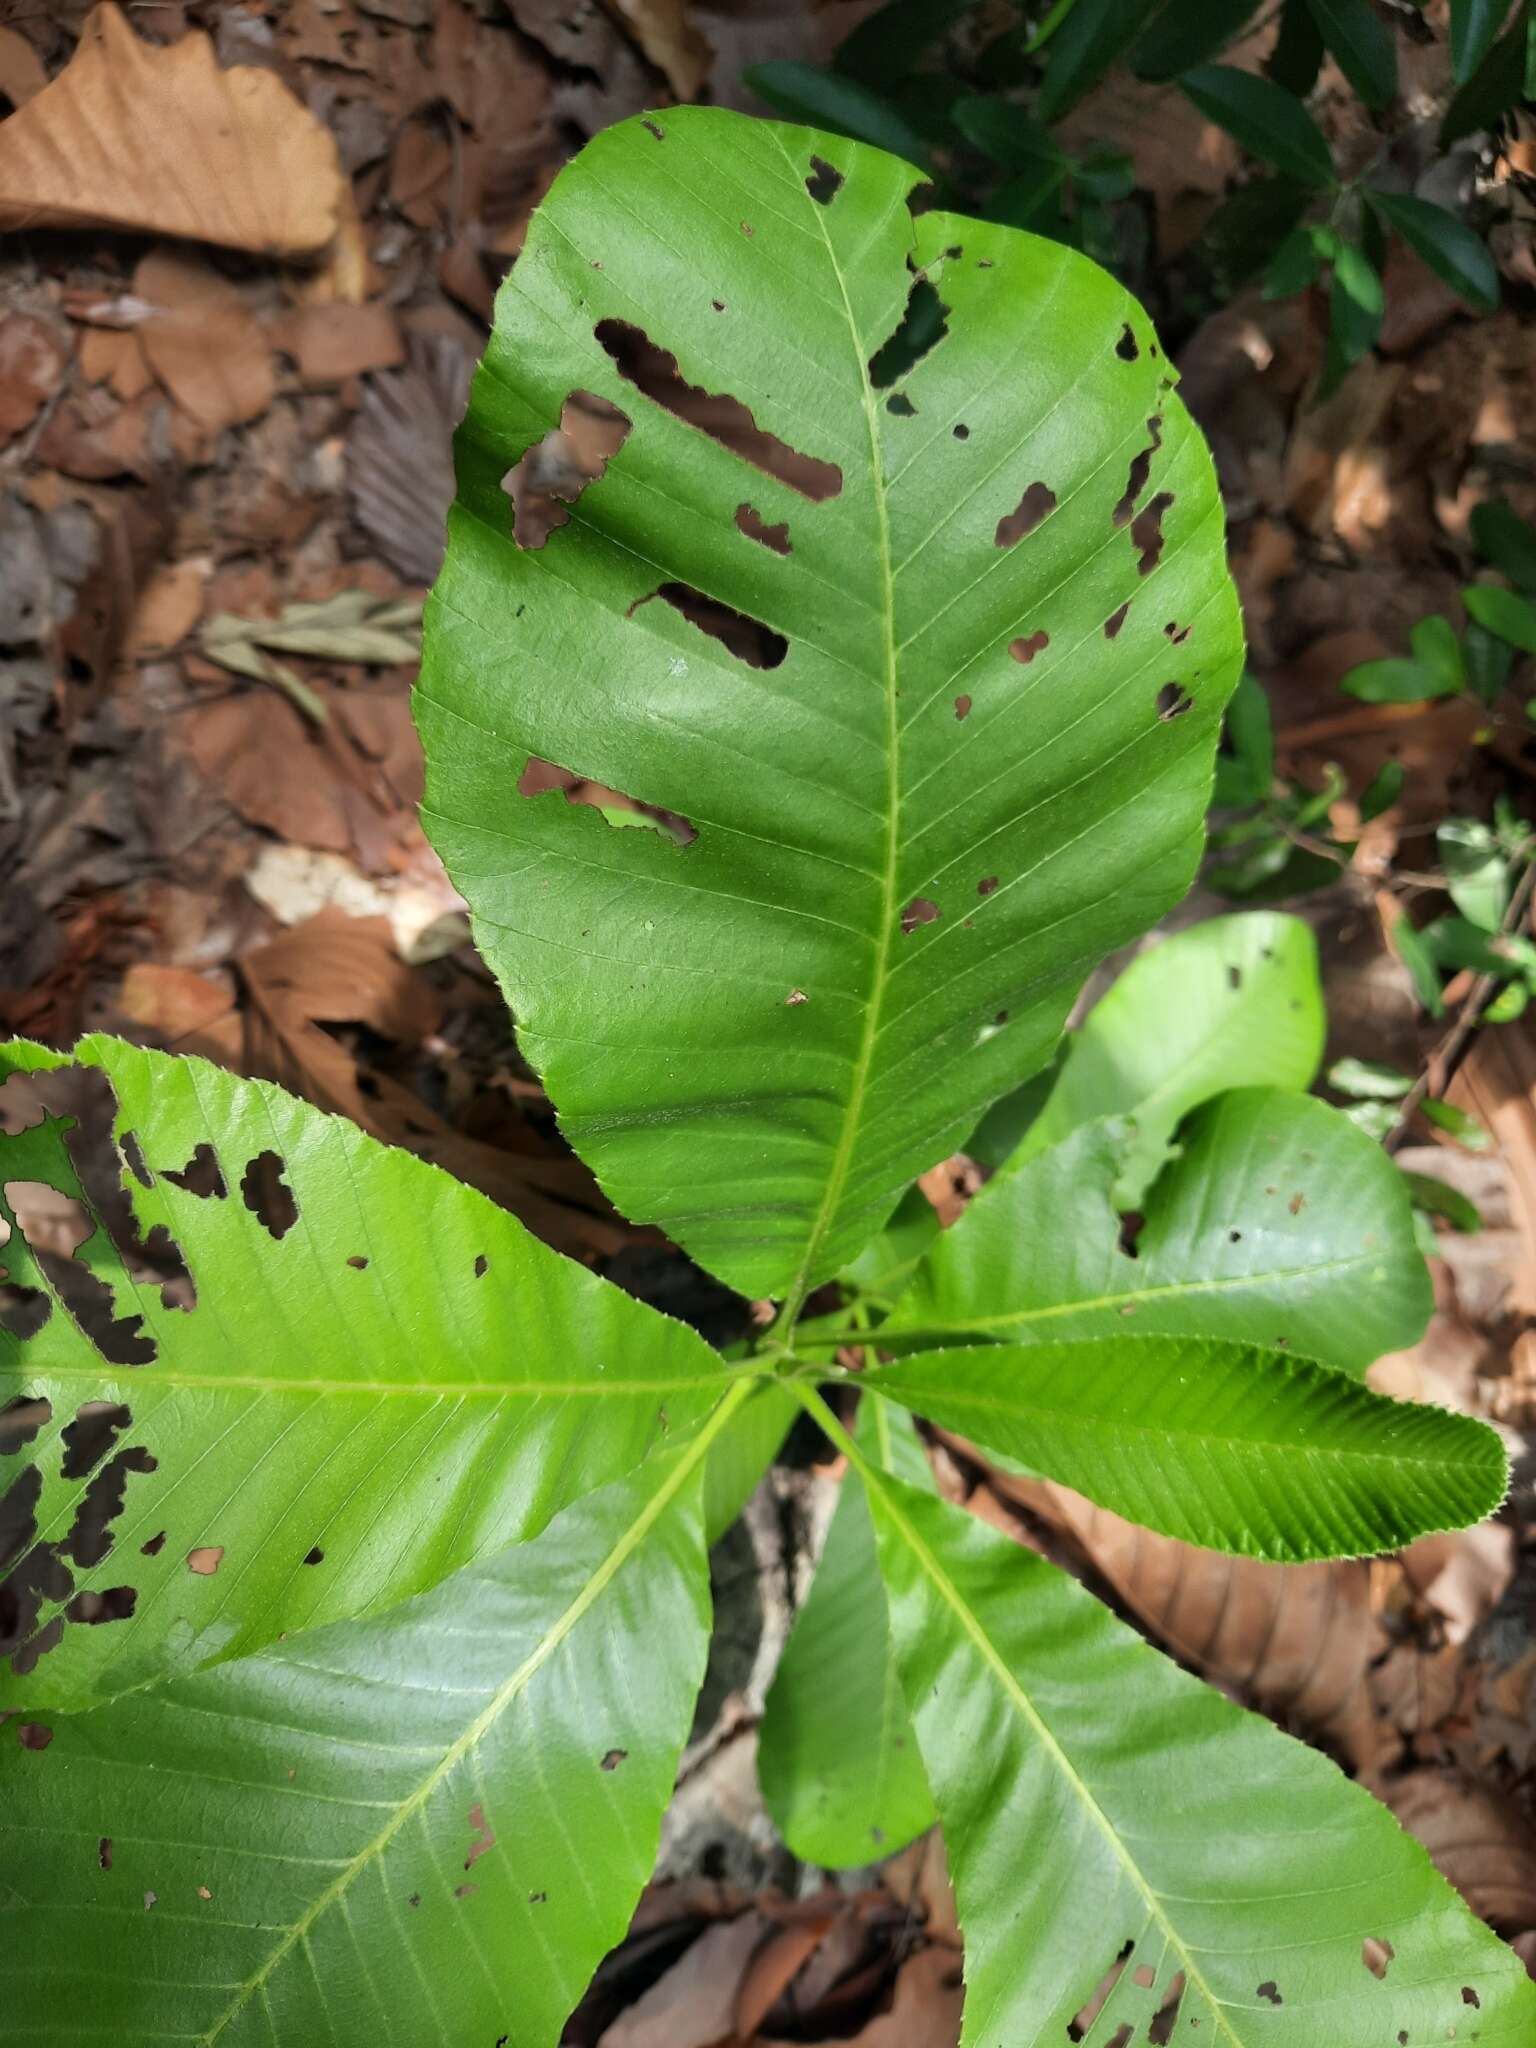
[1446, 1056]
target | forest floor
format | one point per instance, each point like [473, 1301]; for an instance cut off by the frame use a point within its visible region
[223, 479]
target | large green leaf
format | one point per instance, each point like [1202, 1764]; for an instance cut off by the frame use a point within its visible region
[1116, 1827]
[1232, 1003]
[1279, 1223]
[424, 1828]
[369, 1379]
[841, 1773]
[905, 644]
[1246, 1451]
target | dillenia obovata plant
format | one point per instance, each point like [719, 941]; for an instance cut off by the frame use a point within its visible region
[356, 1542]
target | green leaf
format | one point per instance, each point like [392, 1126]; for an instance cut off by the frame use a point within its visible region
[1474, 25]
[1294, 266]
[1244, 776]
[1181, 37]
[1355, 305]
[1362, 46]
[1508, 1004]
[1278, 1224]
[1264, 118]
[1394, 680]
[1243, 1886]
[1241, 1450]
[1476, 871]
[1466, 1130]
[1376, 1119]
[1408, 944]
[1436, 648]
[840, 1769]
[1446, 244]
[913, 841]
[1083, 48]
[811, 92]
[1005, 133]
[1297, 56]
[1503, 612]
[742, 1452]
[1493, 88]
[1506, 540]
[1227, 1004]
[1488, 661]
[372, 1377]
[1435, 1198]
[1368, 1078]
[884, 48]
[428, 1828]
[1382, 791]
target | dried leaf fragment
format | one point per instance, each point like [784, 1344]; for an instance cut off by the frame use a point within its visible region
[109, 144]
[202, 341]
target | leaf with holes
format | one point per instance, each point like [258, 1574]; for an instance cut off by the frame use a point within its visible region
[1240, 1450]
[428, 1827]
[287, 1376]
[1278, 1222]
[1240, 1884]
[876, 594]
[839, 1765]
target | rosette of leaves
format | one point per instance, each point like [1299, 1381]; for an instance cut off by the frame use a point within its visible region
[357, 1592]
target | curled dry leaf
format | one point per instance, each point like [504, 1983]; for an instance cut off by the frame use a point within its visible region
[22, 76]
[399, 460]
[1478, 1842]
[669, 39]
[202, 341]
[110, 143]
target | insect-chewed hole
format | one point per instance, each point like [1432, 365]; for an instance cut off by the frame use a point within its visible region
[56, 1228]
[752, 523]
[612, 805]
[747, 638]
[1147, 532]
[825, 181]
[923, 325]
[654, 372]
[1166, 2018]
[1140, 470]
[1036, 502]
[1115, 621]
[1079, 2025]
[116, 1603]
[921, 910]
[554, 472]
[87, 1440]
[22, 1419]
[1173, 700]
[1125, 347]
[268, 1196]
[201, 1176]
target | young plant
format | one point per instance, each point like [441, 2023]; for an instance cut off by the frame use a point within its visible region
[359, 1597]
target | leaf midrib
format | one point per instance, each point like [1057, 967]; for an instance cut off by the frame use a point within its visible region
[994, 1659]
[501, 1700]
[842, 1158]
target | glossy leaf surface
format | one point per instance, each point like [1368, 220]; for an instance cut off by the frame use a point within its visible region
[1246, 1451]
[1227, 1898]
[886, 628]
[332, 1398]
[1279, 1223]
[839, 1765]
[428, 1827]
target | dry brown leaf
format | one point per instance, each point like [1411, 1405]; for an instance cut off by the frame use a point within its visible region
[110, 142]
[774, 1967]
[112, 356]
[1481, 1844]
[925, 2012]
[172, 1002]
[669, 40]
[22, 76]
[399, 460]
[692, 2004]
[32, 359]
[202, 341]
[271, 766]
[1496, 1083]
[168, 607]
[1292, 1638]
[93, 437]
[330, 343]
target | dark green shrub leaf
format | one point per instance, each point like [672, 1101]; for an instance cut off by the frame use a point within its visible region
[1278, 1223]
[1502, 611]
[1436, 648]
[1294, 266]
[1466, 1130]
[1006, 134]
[1474, 25]
[1494, 87]
[841, 1772]
[1231, 1003]
[1238, 1916]
[1395, 680]
[1241, 1450]
[1264, 118]
[1182, 37]
[917, 660]
[1435, 1198]
[1355, 304]
[429, 1827]
[1297, 56]
[1084, 46]
[1382, 791]
[1446, 244]
[1361, 45]
[1506, 540]
[355, 1375]
[883, 50]
[810, 92]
